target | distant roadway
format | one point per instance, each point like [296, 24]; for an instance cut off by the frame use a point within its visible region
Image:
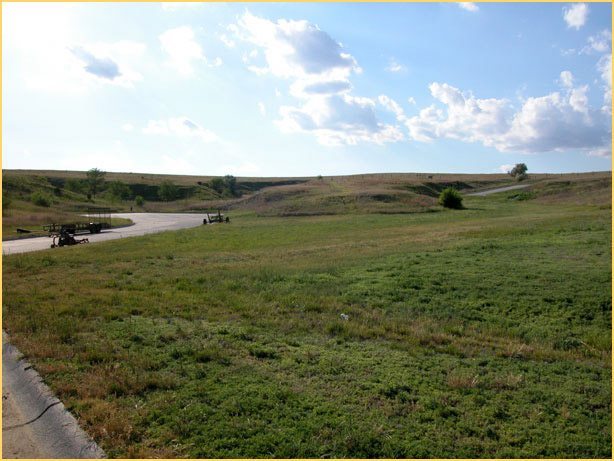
[499, 189]
[144, 223]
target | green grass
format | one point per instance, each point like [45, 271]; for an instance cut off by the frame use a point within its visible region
[484, 332]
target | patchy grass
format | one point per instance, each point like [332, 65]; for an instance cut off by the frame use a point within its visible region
[477, 333]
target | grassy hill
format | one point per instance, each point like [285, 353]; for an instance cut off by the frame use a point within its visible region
[34, 198]
[475, 333]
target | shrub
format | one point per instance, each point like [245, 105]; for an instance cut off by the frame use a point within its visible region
[41, 199]
[451, 198]
[139, 200]
[168, 191]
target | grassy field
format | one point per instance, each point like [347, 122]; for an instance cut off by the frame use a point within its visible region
[484, 332]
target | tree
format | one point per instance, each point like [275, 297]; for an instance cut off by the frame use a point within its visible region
[119, 190]
[95, 180]
[217, 184]
[139, 200]
[168, 191]
[230, 184]
[451, 198]
[519, 171]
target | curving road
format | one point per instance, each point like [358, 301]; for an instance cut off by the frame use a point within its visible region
[144, 223]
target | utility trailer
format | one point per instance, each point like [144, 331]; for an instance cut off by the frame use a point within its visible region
[215, 217]
[64, 234]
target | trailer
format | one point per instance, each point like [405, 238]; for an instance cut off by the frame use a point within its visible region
[64, 233]
[215, 217]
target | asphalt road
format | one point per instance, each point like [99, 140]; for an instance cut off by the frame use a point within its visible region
[499, 189]
[144, 223]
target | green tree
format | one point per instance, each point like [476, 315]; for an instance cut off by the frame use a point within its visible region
[451, 198]
[168, 191]
[519, 172]
[119, 190]
[95, 180]
[139, 200]
[230, 184]
[217, 184]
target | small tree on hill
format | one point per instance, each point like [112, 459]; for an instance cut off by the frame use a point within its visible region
[451, 198]
[168, 191]
[95, 180]
[519, 171]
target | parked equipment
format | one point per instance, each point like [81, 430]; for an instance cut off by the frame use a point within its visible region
[64, 238]
[212, 217]
[64, 234]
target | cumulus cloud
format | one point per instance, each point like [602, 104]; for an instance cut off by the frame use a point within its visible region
[395, 67]
[109, 62]
[101, 67]
[555, 122]
[183, 50]
[575, 16]
[392, 106]
[599, 43]
[319, 69]
[180, 127]
[469, 6]
[297, 49]
[604, 66]
[566, 79]
[338, 119]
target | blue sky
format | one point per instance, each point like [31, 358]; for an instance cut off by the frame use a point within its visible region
[302, 89]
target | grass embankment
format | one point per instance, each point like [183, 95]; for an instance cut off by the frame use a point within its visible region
[477, 333]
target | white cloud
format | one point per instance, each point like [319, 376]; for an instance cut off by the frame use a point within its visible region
[604, 66]
[128, 127]
[395, 67]
[182, 49]
[599, 43]
[506, 168]
[262, 109]
[180, 127]
[110, 62]
[575, 15]
[411, 100]
[555, 122]
[227, 41]
[55, 59]
[469, 6]
[297, 49]
[392, 106]
[338, 119]
[319, 69]
[566, 79]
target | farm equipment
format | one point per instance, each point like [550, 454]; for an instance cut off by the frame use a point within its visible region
[64, 238]
[212, 217]
[64, 234]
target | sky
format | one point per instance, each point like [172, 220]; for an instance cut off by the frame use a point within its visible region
[305, 89]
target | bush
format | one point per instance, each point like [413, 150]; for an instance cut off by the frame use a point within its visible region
[168, 191]
[139, 200]
[451, 198]
[40, 199]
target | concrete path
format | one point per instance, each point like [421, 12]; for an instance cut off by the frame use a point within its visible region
[499, 189]
[144, 223]
[35, 423]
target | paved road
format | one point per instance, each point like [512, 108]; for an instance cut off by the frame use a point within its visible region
[144, 223]
[500, 189]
